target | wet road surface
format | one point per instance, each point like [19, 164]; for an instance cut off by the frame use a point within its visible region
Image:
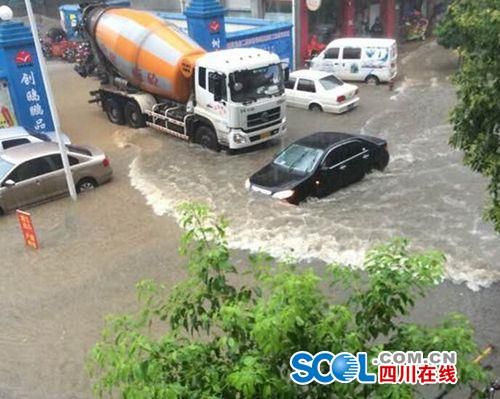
[93, 252]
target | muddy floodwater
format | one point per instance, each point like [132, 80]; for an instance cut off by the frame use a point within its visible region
[53, 301]
[425, 194]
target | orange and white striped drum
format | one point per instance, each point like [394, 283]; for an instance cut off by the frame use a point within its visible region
[147, 51]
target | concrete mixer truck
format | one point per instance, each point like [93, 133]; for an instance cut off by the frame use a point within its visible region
[152, 74]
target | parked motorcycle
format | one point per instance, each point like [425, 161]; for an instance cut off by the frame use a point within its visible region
[415, 26]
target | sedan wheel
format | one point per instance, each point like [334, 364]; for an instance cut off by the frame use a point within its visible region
[315, 108]
[86, 185]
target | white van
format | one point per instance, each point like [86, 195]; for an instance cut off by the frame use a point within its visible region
[362, 59]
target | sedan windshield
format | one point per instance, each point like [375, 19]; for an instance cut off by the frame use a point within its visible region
[250, 85]
[299, 158]
[5, 167]
[330, 82]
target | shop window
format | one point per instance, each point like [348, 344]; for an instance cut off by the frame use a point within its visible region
[332, 53]
[306, 85]
[273, 10]
[351, 53]
[290, 83]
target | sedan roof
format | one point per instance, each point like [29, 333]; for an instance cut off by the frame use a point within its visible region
[310, 74]
[14, 131]
[323, 140]
[22, 153]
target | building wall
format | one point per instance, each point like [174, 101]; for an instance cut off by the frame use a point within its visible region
[160, 5]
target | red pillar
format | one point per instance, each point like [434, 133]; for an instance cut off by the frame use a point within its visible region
[349, 13]
[383, 14]
[390, 18]
[304, 30]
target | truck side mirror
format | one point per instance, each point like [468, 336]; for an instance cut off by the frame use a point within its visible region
[215, 85]
[286, 72]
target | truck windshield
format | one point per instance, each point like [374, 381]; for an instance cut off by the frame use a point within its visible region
[250, 85]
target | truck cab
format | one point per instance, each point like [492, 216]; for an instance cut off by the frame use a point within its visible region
[241, 91]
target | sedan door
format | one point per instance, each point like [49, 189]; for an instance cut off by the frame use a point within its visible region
[28, 188]
[54, 182]
[333, 173]
[357, 160]
[305, 93]
[291, 97]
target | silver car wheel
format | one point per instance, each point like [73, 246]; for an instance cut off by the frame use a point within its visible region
[86, 186]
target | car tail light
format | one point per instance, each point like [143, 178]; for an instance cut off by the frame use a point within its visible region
[105, 162]
[340, 99]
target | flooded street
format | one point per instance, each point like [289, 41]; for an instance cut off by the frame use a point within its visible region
[425, 194]
[53, 301]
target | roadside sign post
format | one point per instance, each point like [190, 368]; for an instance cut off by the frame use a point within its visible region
[27, 229]
[52, 105]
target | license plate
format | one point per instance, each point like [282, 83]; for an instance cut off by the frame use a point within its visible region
[265, 135]
[261, 190]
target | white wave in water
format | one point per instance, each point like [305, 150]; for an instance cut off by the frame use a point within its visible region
[289, 231]
[247, 233]
[402, 88]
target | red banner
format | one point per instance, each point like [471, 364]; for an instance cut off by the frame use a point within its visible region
[27, 229]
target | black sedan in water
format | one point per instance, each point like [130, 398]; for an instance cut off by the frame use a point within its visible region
[318, 165]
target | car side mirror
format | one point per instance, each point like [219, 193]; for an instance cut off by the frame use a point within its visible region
[9, 183]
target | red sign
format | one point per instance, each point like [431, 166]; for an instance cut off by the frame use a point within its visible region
[27, 229]
[214, 26]
[24, 57]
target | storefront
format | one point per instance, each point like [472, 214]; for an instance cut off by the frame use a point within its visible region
[23, 101]
[321, 21]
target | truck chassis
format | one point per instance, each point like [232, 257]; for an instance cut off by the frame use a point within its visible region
[139, 109]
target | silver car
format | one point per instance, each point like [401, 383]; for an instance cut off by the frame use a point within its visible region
[33, 173]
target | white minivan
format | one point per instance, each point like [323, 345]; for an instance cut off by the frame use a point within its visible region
[361, 59]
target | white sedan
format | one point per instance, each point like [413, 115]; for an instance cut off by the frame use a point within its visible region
[320, 91]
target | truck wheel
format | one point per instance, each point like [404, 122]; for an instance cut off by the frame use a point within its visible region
[207, 138]
[134, 115]
[114, 111]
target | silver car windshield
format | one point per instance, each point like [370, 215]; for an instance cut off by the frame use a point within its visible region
[299, 158]
[250, 85]
[5, 168]
[330, 82]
